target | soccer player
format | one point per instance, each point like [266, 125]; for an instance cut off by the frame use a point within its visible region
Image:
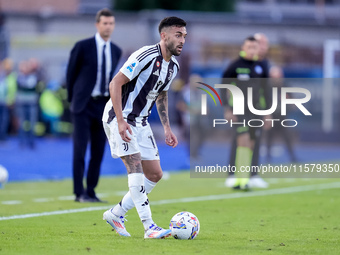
[242, 70]
[143, 81]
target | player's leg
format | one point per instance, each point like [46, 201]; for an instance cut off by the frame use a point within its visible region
[116, 219]
[243, 159]
[256, 136]
[151, 168]
[138, 184]
[137, 191]
[153, 173]
[126, 203]
[138, 194]
[231, 179]
[255, 180]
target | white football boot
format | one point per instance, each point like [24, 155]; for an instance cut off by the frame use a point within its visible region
[116, 222]
[156, 232]
[230, 181]
[257, 182]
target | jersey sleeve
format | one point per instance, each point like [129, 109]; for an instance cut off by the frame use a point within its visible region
[134, 65]
[131, 67]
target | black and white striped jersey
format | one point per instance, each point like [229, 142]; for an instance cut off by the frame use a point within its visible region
[149, 74]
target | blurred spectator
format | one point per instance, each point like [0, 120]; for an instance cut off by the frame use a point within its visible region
[3, 105]
[65, 122]
[27, 103]
[38, 71]
[11, 82]
[7, 95]
[198, 125]
[4, 41]
[51, 107]
[177, 106]
[276, 75]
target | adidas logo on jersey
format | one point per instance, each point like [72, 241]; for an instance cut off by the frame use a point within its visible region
[156, 72]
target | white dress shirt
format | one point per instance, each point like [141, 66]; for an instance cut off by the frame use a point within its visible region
[100, 44]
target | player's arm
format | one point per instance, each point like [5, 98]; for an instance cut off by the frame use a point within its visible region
[162, 108]
[116, 97]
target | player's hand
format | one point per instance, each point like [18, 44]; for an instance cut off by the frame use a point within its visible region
[124, 128]
[170, 139]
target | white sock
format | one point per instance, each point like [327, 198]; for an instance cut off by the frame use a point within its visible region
[127, 203]
[139, 197]
[149, 185]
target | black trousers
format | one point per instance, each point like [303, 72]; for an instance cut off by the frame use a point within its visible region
[88, 129]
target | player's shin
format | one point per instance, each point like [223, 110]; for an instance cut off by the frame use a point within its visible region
[127, 204]
[243, 161]
[139, 197]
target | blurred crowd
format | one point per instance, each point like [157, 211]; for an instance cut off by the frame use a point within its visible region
[30, 105]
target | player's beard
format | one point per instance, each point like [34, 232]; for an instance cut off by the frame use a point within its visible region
[173, 49]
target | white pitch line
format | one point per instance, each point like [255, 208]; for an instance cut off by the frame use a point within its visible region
[43, 200]
[12, 202]
[259, 193]
[269, 192]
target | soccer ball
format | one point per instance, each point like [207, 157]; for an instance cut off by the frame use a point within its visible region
[3, 175]
[184, 225]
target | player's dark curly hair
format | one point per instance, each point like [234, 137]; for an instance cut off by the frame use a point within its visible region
[171, 21]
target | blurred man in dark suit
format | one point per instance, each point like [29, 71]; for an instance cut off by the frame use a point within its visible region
[90, 69]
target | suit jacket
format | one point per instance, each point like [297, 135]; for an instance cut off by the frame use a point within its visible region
[81, 73]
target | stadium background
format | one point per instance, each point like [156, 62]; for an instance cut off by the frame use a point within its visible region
[302, 34]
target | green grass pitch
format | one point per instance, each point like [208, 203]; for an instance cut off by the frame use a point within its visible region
[292, 216]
